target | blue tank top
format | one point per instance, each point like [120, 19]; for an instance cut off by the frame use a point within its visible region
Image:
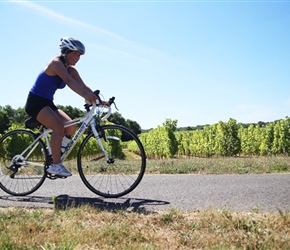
[45, 85]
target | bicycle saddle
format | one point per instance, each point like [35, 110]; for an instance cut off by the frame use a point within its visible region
[32, 123]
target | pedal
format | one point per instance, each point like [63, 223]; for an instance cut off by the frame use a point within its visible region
[61, 177]
[54, 176]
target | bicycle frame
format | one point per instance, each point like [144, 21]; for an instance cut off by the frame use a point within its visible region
[111, 160]
[86, 120]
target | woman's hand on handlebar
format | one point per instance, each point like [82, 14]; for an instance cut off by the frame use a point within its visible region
[106, 103]
[95, 97]
[91, 98]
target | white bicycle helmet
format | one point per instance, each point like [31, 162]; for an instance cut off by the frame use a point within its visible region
[70, 44]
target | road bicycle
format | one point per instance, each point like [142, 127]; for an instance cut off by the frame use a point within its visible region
[111, 160]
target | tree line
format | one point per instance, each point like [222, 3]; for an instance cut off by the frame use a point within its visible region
[167, 141]
[13, 118]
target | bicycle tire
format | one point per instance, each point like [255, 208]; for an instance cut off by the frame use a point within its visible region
[20, 180]
[126, 169]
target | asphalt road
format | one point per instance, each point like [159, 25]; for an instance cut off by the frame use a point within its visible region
[265, 192]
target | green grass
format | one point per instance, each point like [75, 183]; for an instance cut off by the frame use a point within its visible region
[226, 165]
[221, 165]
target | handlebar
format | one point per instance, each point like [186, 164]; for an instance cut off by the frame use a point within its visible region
[111, 100]
[100, 103]
[106, 116]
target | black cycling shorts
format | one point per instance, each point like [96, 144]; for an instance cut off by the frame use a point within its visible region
[36, 103]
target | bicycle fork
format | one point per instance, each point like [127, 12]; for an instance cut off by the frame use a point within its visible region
[98, 137]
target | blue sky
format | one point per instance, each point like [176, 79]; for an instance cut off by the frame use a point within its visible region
[199, 62]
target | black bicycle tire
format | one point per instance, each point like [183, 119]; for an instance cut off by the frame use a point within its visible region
[142, 167]
[41, 180]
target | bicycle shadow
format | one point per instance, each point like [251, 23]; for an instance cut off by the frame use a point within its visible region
[64, 201]
[129, 204]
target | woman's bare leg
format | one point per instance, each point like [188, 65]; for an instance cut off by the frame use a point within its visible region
[51, 119]
[65, 118]
[55, 120]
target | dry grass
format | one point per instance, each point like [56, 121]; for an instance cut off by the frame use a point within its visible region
[88, 228]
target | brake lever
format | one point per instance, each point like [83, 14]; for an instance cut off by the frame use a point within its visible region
[112, 101]
[116, 106]
[97, 92]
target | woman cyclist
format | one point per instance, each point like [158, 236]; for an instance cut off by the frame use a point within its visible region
[58, 73]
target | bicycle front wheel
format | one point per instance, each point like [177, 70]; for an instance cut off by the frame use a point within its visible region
[122, 172]
[22, 162]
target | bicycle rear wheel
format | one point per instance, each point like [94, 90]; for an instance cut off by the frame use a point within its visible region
[125, 169]
[22, 162]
